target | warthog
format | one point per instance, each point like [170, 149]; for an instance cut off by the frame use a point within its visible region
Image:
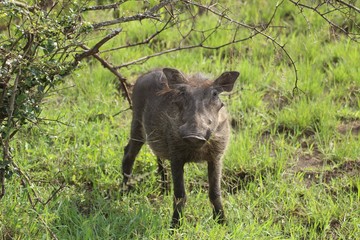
[183, 120]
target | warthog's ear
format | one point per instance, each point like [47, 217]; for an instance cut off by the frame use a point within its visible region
[226, 81]
[174, 77]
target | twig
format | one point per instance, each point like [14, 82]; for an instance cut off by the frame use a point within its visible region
[315, 9]
[256, 32]
[349, 5]
[54, 193]
[114, 115]
[103, 7]
[53, 235]
[2, 182]
[55, 120]
[201, 44]
[150, 14]
[145, 58]
[38, 199]
[13, 95]
[137, 17]
[145, 41]
[180, 48]
[95, 48]
[25, 180]
[5, 142]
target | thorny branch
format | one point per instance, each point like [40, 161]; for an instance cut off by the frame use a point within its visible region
[95, 48]
[2, 182]
[138, 17]
[145, 41]
[255, 31]
[27, 183]
[202, 43]
[103, 7]
[324, 8]
[349, 5]
[150, 14]
[6, 142]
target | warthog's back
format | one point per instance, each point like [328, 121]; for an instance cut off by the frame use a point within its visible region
[146, 88]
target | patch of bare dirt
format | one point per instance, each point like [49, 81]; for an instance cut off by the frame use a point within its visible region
[276, 99]
[293, 130]
[352, 127]
[334, 226]
[351, 98]
[309, 159]
[317, 169]
[349, 168]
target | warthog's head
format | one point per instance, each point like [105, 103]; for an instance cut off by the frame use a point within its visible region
[198, 104]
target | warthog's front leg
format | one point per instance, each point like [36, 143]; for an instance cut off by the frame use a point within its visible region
[214, 175]
[177, 170]
[132, 148]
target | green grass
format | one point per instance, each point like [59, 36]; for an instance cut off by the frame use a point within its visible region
[289, 172]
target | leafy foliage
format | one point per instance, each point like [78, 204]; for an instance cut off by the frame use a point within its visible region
[37, 51]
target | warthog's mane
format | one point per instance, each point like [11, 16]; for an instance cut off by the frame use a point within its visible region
[196, 80]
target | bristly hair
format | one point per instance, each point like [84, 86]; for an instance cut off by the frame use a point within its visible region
[196, 80]
[199, 80]
[168, 91]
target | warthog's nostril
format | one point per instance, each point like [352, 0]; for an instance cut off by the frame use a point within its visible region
[196, 141]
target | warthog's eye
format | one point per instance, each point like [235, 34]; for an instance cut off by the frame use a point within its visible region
[182, 90]
[214, 93]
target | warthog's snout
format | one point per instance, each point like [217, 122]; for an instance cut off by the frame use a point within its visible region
[195, 141]
[194, 134]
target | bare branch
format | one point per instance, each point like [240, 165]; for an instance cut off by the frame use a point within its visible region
[13, 95]
[114, 115]
[221, 15]
[323, 15]
[53, 235]
[349, 5]
[145, 41]
[54, 193]
[103, 7]
[2, 182]
[54, 120]
[145, 58]
[26, 182]
[260, 32]
[150, 14]
[180, 48]
[96, 47]
[137, 17]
